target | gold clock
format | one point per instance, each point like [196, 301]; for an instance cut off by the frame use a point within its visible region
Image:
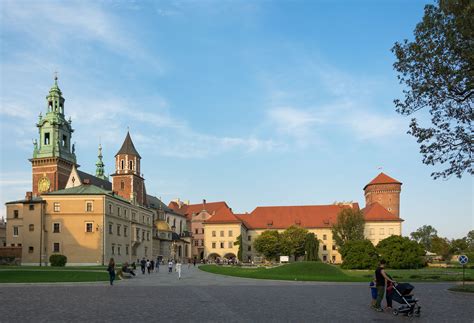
[43, 184]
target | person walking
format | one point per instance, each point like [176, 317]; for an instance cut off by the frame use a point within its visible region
[380, 279]
[148, 266]
[111, 270]
[170, 266]
[152, 265]
[143, 265]
[178, 269]
[194, 262]
[157, 264]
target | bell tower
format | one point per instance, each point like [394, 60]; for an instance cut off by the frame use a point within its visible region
[384, 190]
[53, 154]
[127, 181]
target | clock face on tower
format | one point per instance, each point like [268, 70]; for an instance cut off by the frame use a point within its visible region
[43, 184]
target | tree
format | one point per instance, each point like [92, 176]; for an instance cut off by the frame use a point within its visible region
[349, 226]
[268, 244]
[311, 247]
[238, 242]
[292, 241]
[424, 235]
[437, 69]
[441, 247]
[459, 245]
[359, 254]
[470, 240]
[401, 252]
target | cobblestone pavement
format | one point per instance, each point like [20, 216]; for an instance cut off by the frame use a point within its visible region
[205, 297]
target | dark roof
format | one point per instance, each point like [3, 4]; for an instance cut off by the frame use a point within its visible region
[102, 183]
[34, 199]
[155, 203]
[87, 189]
[128, 148]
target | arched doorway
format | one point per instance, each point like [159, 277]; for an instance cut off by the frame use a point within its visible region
[214, 257]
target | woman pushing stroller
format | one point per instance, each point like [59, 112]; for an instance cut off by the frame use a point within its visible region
[380, 279]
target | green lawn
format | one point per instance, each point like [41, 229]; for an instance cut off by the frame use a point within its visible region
[49, 276]
[38, 268]
[317, 271]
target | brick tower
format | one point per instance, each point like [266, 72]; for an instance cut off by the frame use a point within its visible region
[386, 191]
[127, 181]
[53, 155]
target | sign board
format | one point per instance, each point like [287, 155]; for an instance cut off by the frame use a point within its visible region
[463, 259]
[284, 258]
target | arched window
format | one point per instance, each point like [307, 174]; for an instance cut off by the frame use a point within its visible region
[122, 164]
[130, 164]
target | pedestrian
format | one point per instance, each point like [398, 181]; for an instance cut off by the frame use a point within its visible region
[194, 261]
[143, 265]
[380, 279]
[373, 292]
[189, 263]
[178, 269]
[152, 262]
[389, 293]
[111, 270]
[170, 266]
[148, 266]
[157, 264]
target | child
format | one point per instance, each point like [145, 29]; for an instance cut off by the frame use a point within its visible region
[373, 290]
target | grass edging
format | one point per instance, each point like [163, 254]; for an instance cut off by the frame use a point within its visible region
[462, 289]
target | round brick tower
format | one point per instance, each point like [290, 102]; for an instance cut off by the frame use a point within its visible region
[386, 191]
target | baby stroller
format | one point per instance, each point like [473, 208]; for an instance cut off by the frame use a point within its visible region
[409, 304]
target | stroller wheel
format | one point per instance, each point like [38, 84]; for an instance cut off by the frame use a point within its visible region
[410, 314]
[395, 312]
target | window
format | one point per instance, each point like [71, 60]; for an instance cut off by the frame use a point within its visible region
[110, 208]
[325, 247]
[249, 238]
[46, 138]
[130, 164]
[15, 231]
[19, 245]
[325, 258]
[111, 228]
[148, 235]
[390, 231]
[118, 249]
[333, 258]
[143, 235]
[222, 245]
[196, 231]
[56, 247]
[174, 223]
[64, 141]
[134, 216]
[118, 229]
[88, 206]
[126, 249]
[202, 243]
[196, 243]
[230, 233]
[31, 207]
[222, 233]
[213, 245]
[382, 231]
[125, 231]
[31, 249]
[113, 249]
[118, 210]
[333, 247]
[202, 230]
[15, 214]
[249, 248]
[57, 207]
[125, 213]
[325, 237]
[231, 244]
[168, 220]
[137, 233]
[89, 226]
[56, 227]
[122, 164]
[31, 227]
[213, 233]
[122, 185]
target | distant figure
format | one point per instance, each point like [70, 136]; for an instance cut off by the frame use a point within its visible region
[125, 269]
[143, 265]
[170, 266]
[178, 269]
[111, 270]
[148, 266]
[157, 264]
[373, 292]
[152, 263]
[194, 262]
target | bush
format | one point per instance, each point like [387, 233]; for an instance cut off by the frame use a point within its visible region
[58, 260]
[360, 254]
[401, 253]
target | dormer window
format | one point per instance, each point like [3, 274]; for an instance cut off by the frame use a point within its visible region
[46, 138]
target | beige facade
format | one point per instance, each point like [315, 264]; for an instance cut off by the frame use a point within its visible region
[377, 231]
[220, 238]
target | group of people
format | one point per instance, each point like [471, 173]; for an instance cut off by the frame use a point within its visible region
[382, 284]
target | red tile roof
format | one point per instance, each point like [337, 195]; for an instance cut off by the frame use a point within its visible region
[223, 215]
[383, 178]
[189, 209]
[282, 217]
[376, 212]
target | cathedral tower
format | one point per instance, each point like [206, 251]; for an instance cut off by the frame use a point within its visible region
[53, 155]
[386, 191]
[127, 181]
[99, 172]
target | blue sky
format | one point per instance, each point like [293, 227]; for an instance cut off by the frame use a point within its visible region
[252, 102]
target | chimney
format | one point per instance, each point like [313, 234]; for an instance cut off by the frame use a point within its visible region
[203, 201]
[230, 210]
[29, 196]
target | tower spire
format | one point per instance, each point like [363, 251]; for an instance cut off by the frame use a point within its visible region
[99, 172]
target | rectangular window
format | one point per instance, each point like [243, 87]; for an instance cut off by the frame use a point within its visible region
[249, 248]
[64, 141]
[196, 243]
[213, 233]
[382, 231]
[15, 231]
[15, 214]
[118, 210]
[46, 138]
[202, 243]
[143, 235]
[56, 227]
[125, 231]
[110, 208]
[231, 244]
[89, 206]
[137, 231]
[126, 249]
[31, 227]
[222, 245]
[57, 207]
[325, 237]
[325, 247]
[118, 229]
[113, 249]
[202, 230]
[230, 233]
[31, 207]
[222, 233]
[56, 247]
[118, 249]
[325, 258]
[148, 235]
[31, 249]
[249, 238]
[213, 245]
[89, 227]
[125, 213]
[111, 228]
[333, 247]
[134, 216]
[196, 231]
[390, 231]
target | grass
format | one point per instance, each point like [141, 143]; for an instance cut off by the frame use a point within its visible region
[463, 289]
[50, 276]
[317, 271]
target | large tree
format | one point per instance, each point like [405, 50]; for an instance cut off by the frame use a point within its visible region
[441, 247]
[349, 226]
[437, 69]
[359, 254]
[311, 247]
[268, 244]
[238, 242]
[292, 241]
[424, 235]
[401, 252]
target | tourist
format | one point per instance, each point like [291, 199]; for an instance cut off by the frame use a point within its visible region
[194, 261]
[148, 266]
[178, 268]
[125, 269]
[152, 263]
[157, 264]
[111, 270]
[143, 265]
[380, 279]
[170, 266]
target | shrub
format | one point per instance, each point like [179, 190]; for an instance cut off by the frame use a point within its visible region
[401, 253]
[58, 260]
[360, 254]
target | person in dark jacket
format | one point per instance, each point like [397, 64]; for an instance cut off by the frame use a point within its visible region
[111, 270]
[143, 265]
[380, 279]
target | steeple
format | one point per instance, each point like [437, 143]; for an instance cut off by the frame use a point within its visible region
[99, 172]
[128, 148]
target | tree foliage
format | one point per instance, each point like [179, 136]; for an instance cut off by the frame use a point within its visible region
[441, 247]
[293, 241]
[268, 244]
[311, 247]
[359, 254]
[437, 69]
[349, 226]
[424, 235]
[401, 252]
[238, 242]
[57, 260]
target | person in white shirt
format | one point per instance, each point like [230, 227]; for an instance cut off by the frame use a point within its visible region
[178, 269]
[170, 266]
